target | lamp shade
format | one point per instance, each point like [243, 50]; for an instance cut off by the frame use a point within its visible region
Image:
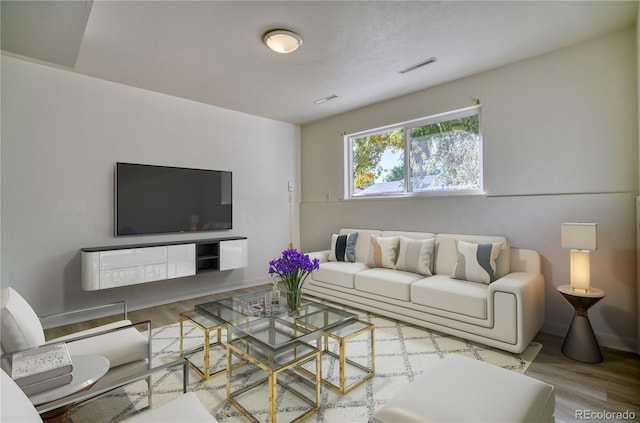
[580, 268]
[579, 236]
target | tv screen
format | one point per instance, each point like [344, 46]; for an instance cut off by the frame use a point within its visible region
[160, 199]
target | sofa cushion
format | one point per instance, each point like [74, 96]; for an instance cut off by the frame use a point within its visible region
[343, 247]
[456, 296]
[476, 262]
[383, 251]
[386, 282]
[446, 253]
[338, 273]
[21, 327]
[415, 255]
[363, 243]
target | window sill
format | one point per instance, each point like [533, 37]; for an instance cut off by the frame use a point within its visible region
[419, 195]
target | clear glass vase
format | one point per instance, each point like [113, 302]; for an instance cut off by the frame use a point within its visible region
[293, 302]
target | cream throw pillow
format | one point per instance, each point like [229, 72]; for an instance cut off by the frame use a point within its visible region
[416, 255]
[383, 252]
[476, 262]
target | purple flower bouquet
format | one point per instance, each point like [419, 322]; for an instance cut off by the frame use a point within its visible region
[293, 267]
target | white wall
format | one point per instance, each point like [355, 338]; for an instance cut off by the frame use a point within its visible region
[560, 145]
[62, 134]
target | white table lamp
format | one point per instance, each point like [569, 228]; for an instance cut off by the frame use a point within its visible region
[581, 238]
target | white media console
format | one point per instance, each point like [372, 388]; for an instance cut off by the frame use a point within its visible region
[113, 266]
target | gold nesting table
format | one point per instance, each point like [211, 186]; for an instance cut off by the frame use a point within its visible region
[269, 350]
[207, 324]
[359, 372]
[273, 364]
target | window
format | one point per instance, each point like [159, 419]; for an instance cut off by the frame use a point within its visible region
[436, 154]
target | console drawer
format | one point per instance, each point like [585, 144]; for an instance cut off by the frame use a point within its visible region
[132, 257]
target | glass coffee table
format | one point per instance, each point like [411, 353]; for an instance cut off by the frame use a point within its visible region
[275, 343]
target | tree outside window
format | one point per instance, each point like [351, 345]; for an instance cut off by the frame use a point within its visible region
[444, 154]
[368, 151]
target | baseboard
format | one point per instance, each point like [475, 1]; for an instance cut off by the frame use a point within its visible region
[608, 340]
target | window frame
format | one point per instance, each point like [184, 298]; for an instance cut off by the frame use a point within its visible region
[406, 127]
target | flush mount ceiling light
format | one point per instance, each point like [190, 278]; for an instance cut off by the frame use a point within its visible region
[282, 40]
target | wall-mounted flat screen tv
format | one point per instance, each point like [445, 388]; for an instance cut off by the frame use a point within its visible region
[160, 199]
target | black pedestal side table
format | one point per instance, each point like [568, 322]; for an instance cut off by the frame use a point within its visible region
[580, 343]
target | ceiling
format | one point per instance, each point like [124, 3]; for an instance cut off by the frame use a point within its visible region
[212, 51]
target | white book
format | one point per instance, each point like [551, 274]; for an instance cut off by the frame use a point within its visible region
[45, 385]
[41, 363]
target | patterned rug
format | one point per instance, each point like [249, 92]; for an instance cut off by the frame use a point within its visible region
[402, 352]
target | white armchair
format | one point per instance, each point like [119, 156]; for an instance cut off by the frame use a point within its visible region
[128, 350]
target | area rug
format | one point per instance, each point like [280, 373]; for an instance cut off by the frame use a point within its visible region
[402, 352]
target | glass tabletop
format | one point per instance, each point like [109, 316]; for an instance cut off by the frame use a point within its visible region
[278, 331]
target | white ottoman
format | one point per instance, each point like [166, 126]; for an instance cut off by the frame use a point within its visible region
[461, 389]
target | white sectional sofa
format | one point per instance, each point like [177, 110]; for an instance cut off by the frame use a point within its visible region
[505, 313]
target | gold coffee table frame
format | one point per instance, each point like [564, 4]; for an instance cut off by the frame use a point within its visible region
[276, 343]
[274, 364]
[207, 325]
[343, 334]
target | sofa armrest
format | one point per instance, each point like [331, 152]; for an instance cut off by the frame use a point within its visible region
[323, 255]
[529, 291]
[516, 282]
[523, 260]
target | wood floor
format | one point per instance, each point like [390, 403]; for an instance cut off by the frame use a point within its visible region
[610, 387]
